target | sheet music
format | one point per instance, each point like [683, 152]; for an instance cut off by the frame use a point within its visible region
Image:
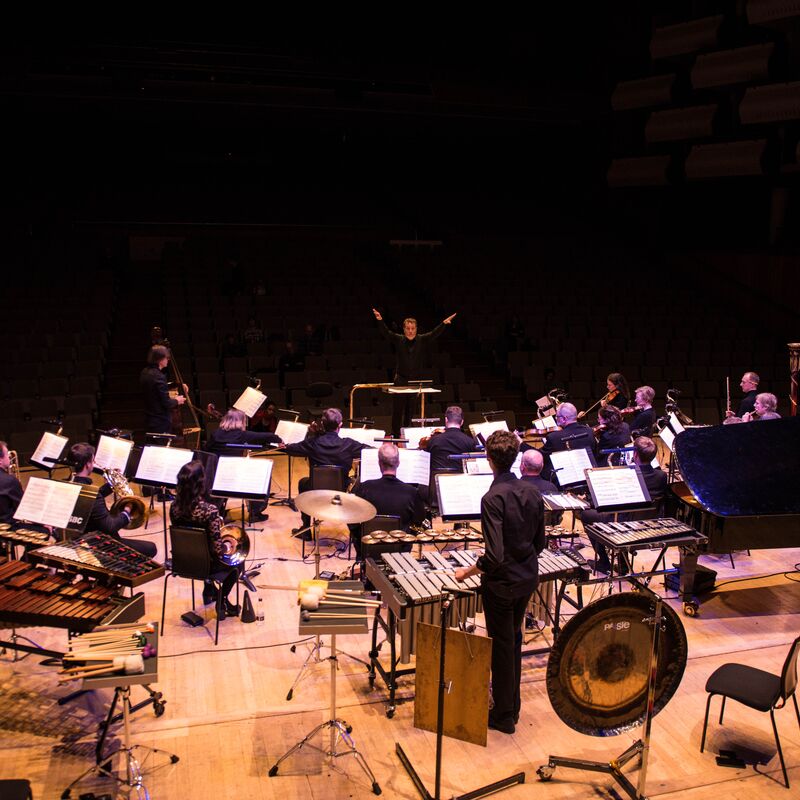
[460, 495]
[569, 466]
[48, 502]
[415, 466]
[563, 501]
[250, 401]
[480, 466]
[545, 403]
[615, 487]
[366, 436]
[668, 437]
[545, 423]
[160, 465]
[243, 475]
[488, 428]
[675, 424]
[113, 453]
[291, 432]
[50, 446]
[414, 435]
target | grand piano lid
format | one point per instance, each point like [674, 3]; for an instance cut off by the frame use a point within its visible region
[749, 469]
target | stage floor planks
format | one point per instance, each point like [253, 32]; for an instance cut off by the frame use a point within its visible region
[228, 719]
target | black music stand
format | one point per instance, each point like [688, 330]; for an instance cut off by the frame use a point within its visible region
[51, 455]
[483, 791]
[287, 501]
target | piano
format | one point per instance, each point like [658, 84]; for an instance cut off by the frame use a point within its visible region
[741, 484]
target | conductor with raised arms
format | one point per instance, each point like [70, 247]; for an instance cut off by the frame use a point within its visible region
[411, 349]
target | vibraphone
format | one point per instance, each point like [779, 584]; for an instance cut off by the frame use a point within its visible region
[31, 596]
[412, 590]
[102, 557]
[627, 537]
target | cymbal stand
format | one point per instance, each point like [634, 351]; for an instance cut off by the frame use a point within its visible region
[641, 747]
[339, 731]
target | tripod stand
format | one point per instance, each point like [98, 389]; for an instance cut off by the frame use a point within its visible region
[339, 732]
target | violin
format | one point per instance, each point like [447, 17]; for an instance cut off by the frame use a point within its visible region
[603, 401]
[598, 429]
[426, 440]
[631, 410]
[213, 412]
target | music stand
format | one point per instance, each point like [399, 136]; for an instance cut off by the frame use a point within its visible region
[158, 467]
[443, 687]
[350, 619]
[289, 432]
[49, 452]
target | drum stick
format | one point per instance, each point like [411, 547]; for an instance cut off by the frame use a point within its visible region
[307, 616]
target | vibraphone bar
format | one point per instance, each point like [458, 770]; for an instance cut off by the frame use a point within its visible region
[100, 556]
[31, 596]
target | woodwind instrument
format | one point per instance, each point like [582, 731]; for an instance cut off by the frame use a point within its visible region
[728, 390]
[794, 374]
[13, 464]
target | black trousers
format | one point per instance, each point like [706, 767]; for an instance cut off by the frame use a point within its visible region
[402, 411]
[504, 615]
[147, 549]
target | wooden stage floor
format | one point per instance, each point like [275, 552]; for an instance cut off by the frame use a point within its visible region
[228, 719]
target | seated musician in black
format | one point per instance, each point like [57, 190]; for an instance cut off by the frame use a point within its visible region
[618, 391]
[390, 496]
[613, 432]
[158, 405]
[10, 487]
[192, 509]
[81, 455]
[233, 430]
[655, 479]
[572, 436]
[531, 466]
[449, 442]
[325, 448]
[644, 415]
[749, 384]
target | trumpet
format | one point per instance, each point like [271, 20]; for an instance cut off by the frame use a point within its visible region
[124, 496]
[13, 464]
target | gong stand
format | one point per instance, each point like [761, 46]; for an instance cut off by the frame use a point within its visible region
[484, 791]
[639, 748]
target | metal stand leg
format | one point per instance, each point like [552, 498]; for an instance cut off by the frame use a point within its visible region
[339, 732]
[135, 769]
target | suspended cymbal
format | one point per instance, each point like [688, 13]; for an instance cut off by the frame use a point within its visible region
[330, 506]
[598, 668]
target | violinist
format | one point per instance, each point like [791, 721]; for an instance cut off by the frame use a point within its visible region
[611, 432]
[449, 442]
[158, 405]
[618, 391]
[266, 418]
[644, 415]
[233, 430]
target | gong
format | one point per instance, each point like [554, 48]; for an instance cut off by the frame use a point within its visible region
[598, 670]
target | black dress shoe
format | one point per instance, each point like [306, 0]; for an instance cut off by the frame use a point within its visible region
[231, 609]
[504, 726]
[209, 594]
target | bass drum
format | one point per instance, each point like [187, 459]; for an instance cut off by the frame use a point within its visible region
[598, 669]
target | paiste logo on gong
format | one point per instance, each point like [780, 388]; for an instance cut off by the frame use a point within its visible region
[616, 626]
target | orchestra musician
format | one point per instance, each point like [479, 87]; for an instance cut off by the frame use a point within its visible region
[765, 407]
[531, 466]
[233, 430]
[749, 384]
[644, 415]
[451, 441]
[611, 432]
[158, 405]
[191, 508]
[101, 519]
[573, 435]
[618, 391]
[266, 418]
[326, 448]
[10, 487]
[512, 521]
[411, 350]
[389, 495]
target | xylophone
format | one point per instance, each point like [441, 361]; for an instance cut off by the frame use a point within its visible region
[32, 596]
[102, 557]
[412, 590]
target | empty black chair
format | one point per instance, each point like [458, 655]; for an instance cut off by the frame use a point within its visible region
[191, 559]
[325, 476]
[756, 689]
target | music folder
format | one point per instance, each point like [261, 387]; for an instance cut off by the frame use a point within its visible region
[569, 466]
[291, 432]
[60, 504]
[112, 453]
[617, 488]
[460, 495]
[159, 466]
[415, 466]
[248, 478]
[52, 446]
[249, 401]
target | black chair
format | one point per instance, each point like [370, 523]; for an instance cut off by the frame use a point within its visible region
[16, 789]
[326, 476]
[191, 559]
[756, 689]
